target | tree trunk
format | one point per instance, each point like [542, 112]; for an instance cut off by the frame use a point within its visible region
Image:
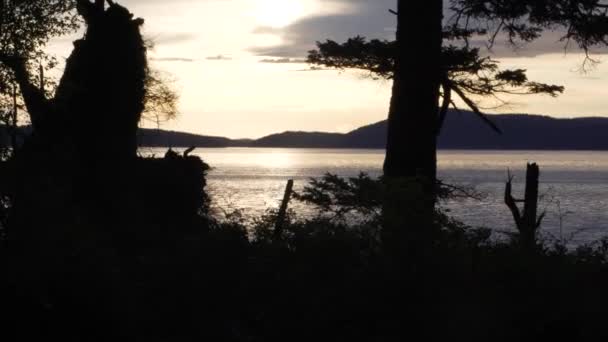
[410, 166]
[527, 222]
[412, 141]
[411, 149]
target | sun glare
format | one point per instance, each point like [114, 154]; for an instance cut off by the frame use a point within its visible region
[278, 13]
[275, 160]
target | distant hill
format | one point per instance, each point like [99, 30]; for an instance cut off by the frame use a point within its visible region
[466, 131]
[162, 138]
[302, 139]
[462, 131]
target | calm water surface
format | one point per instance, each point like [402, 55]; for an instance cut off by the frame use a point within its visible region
[574, 185]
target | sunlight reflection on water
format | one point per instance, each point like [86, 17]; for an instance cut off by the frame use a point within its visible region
[574, 185]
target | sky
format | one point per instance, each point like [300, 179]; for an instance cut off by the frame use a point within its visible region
[237, 66]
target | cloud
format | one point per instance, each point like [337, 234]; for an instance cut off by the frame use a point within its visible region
[311, 68]
[173, 38]
[361, 17]
[219, 58]
[172, 59]
[373, 20]
[283, 60]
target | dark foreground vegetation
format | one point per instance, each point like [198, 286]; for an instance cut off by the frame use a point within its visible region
[100, 244]
[338, 276]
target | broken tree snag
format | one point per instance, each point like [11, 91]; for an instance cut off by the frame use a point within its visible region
[531, 196]
[102, 90]
[278, 228]
[528, 222]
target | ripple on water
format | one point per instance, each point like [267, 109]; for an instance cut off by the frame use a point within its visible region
[574, 185]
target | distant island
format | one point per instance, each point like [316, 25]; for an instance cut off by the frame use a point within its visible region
[463, 130]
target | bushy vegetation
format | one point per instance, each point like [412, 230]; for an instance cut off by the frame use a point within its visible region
[332, 276]
[336, 277]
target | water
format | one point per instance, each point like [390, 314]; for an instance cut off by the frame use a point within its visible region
[574, 185]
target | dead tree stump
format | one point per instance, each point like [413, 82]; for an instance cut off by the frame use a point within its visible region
[527, 222]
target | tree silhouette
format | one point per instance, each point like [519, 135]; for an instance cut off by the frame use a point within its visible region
[469, 76]
[160, 102]
[432, 59]
[22, 56]
[81, 203]
[25, 28]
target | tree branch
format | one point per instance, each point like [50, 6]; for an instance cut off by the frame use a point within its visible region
[445, 105]
[476, 110]
[36, 103]
[510, 201]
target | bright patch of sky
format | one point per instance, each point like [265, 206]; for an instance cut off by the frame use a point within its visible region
[237, 66]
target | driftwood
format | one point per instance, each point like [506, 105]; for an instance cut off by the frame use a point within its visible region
[527, 222]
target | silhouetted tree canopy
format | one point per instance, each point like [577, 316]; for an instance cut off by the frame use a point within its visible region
[26, 26]
[467, 74]
[584, 22]
[160, 103]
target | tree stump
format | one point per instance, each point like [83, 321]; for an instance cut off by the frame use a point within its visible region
[527, 222]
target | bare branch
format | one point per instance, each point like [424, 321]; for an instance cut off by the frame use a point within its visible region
[476, 110]
[510, 201]
[445, 105]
